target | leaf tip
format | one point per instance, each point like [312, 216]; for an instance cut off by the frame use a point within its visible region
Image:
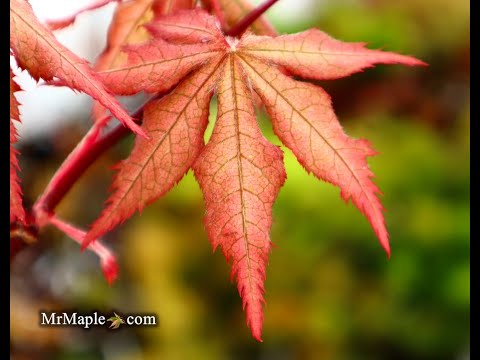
[256, 329]
[382, 236]
[417, 62]
[255, 320]
[137, 130]
[386, 246]
[387, 250]
[408, 60]
[110, 269]
[258, 339]
[85, 243]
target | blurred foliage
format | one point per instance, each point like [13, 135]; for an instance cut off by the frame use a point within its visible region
[331, 292]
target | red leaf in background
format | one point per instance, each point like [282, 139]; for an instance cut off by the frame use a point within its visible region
[127, 28]
[37, 50]
[200, 28]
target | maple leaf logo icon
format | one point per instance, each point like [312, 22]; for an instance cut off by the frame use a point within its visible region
[116, 321]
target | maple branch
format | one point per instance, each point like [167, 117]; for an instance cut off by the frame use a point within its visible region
[250, 18]
[79, 160]
[86, 152]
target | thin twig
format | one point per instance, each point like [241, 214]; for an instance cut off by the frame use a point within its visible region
[250, 18]
[79, 160]
[108, 261]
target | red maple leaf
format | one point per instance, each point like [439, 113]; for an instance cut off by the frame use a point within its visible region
[38, 51]
[239, 171]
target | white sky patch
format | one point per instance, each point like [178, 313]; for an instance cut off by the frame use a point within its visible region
[55, 9]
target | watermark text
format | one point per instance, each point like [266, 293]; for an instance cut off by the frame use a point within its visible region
[95, 319]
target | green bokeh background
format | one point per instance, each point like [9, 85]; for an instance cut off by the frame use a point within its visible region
[331, 291]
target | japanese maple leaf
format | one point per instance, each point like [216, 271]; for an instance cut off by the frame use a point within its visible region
[37, 50]
[240, 173]
[16, 208]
